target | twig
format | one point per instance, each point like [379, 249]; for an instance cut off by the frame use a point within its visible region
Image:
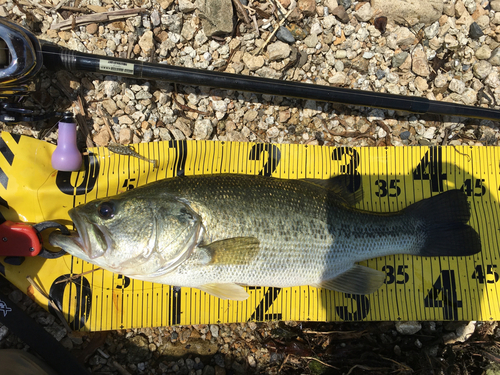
[223, 67]
[82, 124]
[402, 365]
[323, 363]
[105, 118]
[241, 11]
[77, 276]
[97, 17]
[332, 332]
[120, 368]
[283, 363]
[445, 137]
[274, 32]
[185, 107]
[51, 303]
[58, 6]
[461, 153]
[388, 140]
[256, 25]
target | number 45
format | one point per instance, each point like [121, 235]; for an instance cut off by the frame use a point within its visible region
[481, 277]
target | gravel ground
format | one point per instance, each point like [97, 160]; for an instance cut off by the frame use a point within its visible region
[454, 59]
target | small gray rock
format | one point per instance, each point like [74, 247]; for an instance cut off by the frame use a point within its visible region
[111, 88]
[399, 59]
[475, 31]
[3, 332]
[278, 51]
[483, 53]
[405, 135]
[432, 30]
[469, 96]
[285, 35]
[155, 18]
[146, 42]
[311, 40]
[218, 17]
[345, 3]
[202, 130]
[364, 13]
[495, 57]
[214, 329]
[457, 86]
[495, 5]
[380, 73]
[482, 69]
[408, 328]
[186, 6]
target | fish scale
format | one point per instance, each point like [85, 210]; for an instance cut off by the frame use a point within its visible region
[219, 232]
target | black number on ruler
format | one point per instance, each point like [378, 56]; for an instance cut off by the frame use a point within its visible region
[63, 179]
[481, 277]
[361, 310]
[478, 190]
[391, 277]
[444, 294]
[83, 298]
[265, 304]
[384, 190]
[125, 282]
[431, 168]
[180, 156]
[351, 167]
[128, 184]
[273, 157]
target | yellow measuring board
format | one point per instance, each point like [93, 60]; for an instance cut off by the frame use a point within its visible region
[416, 288]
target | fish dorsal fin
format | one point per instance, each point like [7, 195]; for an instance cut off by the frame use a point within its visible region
[237, 250]
[225, 291]
[340, 186]
[356, 280]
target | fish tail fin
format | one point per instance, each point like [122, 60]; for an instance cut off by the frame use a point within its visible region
[445, 217]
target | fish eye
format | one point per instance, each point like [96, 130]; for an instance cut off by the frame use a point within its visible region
[106, 210]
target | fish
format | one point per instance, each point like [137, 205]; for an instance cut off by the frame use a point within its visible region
[220, 233]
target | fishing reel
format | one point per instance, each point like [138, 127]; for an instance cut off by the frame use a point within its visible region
[21, 59]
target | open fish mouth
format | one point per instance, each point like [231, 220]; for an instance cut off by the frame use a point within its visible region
[81, 238]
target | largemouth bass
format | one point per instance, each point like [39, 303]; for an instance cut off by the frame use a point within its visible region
[219, 233]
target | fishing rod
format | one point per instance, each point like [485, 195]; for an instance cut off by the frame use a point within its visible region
[55, 57]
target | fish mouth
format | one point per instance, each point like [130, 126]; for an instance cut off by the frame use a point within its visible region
[81, 239]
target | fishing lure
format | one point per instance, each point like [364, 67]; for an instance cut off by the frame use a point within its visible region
[129, 151]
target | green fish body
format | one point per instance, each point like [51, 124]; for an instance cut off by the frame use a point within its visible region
[221, 232]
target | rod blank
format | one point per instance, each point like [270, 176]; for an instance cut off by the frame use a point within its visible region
[55, 57]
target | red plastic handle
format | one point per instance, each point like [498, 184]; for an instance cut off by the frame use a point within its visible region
[19, 239]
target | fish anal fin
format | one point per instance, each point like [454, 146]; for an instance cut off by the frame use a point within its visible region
[339, 185]
[225, 291]
[356, 280]
[237, 250]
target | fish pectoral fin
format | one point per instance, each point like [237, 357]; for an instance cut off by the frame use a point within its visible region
[225, 291]
[237, 250]
[356, 280]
